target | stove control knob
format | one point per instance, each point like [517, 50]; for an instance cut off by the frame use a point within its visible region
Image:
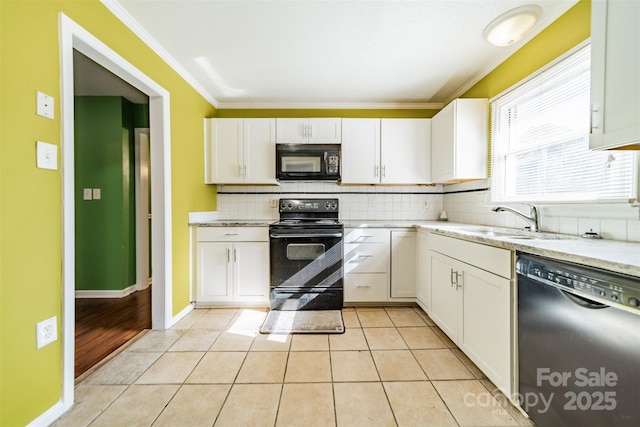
[290, 205]
[634, 302]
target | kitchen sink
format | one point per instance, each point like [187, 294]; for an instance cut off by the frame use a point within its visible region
[513, 234]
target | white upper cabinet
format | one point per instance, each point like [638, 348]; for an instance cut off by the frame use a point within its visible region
[615, 74]
[361, 151]
[405, 151]
[312, 131]
[459, 141]
[240, 151]
[386, 151]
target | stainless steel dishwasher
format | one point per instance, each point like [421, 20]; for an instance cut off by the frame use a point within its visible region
[578, 344]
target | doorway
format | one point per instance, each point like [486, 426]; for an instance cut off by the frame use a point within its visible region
[111, 165]
[72, 36]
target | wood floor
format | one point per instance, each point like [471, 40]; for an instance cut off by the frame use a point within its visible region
[105, 324]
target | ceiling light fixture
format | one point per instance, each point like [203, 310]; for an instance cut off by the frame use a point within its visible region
[512, 25]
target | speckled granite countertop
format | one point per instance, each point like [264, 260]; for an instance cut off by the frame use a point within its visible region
[622, 257]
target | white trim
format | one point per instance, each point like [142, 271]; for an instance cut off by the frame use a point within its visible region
[332, 105]
[508, 51]
[142, 183]
[121, 293]
[128, 20]
[49, 416]
[72, 36]
[188, 309]
[542, 69]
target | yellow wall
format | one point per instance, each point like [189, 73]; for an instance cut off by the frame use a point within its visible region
[30, 208]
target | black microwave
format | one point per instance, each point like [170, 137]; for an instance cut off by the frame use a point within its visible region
[308, 162]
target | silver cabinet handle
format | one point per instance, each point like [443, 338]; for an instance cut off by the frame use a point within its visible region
[310, 131]
[363, 286]
[364, 256]
[228, 255]
[454, 279]
[235, 255]
[595, 116]
[384, 171]
[230, 234]
[376, 170]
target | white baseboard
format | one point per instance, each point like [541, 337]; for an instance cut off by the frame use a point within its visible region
[188, 309]
[49, 416]
[106, 294]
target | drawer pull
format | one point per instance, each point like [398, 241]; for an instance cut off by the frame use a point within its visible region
[230, 234]
[363, 286]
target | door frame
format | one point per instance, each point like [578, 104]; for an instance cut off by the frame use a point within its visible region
[73, 36]
[142, 181]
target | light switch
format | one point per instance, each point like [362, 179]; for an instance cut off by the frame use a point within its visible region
[44, 105]
[46, 155]
[87, 194]
[96, 194]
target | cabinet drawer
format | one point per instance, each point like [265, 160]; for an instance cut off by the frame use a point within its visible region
[366, 258]
[365, 287]
[366, 235]
[232, 234]
[489, 258]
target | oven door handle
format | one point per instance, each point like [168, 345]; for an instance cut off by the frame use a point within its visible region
[298, 236]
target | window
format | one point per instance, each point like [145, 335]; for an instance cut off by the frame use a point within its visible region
[541, 141]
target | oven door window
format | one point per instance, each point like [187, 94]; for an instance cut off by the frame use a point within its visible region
[301, 164]
[304, 251]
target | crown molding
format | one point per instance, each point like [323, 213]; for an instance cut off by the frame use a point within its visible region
[121, 13]
[330, 105]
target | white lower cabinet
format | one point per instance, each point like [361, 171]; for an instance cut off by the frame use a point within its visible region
[379, 265]
[232, 265]
[472, 303]
[403, 264]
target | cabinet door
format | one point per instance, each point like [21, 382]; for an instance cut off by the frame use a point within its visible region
[214, 275]
[324, 131]
[615, 74]
[360, 151]
[459, 141]
[290, 131]
[442, 144]
[251, 271]
[445, 297]
[486, 329]
[225, 153]
[405, 151]
[260, 151]
[423, 279]
[403, 264]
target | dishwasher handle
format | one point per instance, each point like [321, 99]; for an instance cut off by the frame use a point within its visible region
[582, 301]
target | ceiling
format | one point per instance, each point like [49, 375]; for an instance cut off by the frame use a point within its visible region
[327, 54]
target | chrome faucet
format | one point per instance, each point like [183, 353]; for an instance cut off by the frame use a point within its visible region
[531, 219]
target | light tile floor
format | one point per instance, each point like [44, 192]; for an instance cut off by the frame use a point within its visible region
[391, 367]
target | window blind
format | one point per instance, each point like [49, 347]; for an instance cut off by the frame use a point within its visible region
[540, 141]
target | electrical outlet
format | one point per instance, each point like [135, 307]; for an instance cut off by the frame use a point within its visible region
[87, 194]
[46, 332]
[44, 105]
[96, 194]
[274, 203]
[425, 204]
[370, 201]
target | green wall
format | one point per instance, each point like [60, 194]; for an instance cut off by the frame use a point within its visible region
[104, 158]
[31, 199]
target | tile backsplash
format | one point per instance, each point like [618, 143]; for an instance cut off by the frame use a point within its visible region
[367, 203]
[466, 203]
[470, 203]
